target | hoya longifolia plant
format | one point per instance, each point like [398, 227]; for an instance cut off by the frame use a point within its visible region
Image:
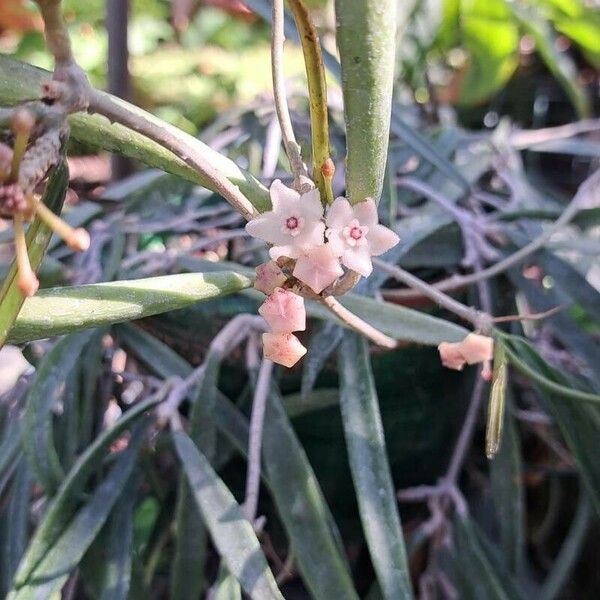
[323, 242]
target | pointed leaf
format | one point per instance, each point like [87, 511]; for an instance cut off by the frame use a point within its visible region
[373, 483]
[64, 310]
[231, 533]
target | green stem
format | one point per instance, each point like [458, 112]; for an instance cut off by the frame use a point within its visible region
[317, 92]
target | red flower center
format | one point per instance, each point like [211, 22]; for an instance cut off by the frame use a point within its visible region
[291, 222]
[356, 233]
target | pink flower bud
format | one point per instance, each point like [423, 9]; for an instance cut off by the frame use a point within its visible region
[283, 348]
[473, 349]
[268, 277]
[284, 311]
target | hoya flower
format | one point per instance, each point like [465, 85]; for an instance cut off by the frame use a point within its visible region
[284, 311]
[293, 226]
[268, 277]
[283, 348]
[355, 235]
[473, 349]
[318, 268]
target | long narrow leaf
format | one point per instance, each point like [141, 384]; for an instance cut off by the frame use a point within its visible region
[64, 555]
[370, 469]
[231, 533]
[288, 474]
[67, 497]
[38, 436]
[64, 310]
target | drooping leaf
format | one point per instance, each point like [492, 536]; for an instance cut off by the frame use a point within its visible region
[231, 533]
[63, 310]
[367, 455]
[506, 474]
[14, 525]
[106, 567]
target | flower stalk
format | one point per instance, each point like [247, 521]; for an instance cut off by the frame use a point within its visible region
[317, 92]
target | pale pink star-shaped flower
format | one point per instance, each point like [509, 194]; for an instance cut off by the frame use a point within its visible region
[355, 235]
[284, 311]
[318, 268]
[283, 348]
[294, 225]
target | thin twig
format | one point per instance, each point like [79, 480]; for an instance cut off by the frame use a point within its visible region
[520, 140]
[356, 323]
[292, 149]
[259, 406]
[479, 319]
[590, 188]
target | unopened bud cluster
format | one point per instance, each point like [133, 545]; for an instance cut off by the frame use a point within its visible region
[22, 168]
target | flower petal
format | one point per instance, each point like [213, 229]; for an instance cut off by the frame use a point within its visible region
[381, 239]
[268, 277]
[312, 234]
[358, 259]
[339, 214]
[283, 348]
[336, 242]
[318, 268]
[366, 212]
[288, 250]
[266, 227]
[310, 205]
[282, 196]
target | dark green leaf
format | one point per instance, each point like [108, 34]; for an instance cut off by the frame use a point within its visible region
[370, 469]
[38, 437]
[64, 555]
[231, 533]
[64, 503]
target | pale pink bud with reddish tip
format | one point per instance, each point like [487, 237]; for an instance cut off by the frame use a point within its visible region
[473, 349]
[268, 277]
[318, 268]
[78, 240]
[27, 283]
[284, 311]
[283, 348]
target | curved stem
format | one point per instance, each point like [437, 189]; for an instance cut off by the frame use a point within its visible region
[292, 149]
[317, 92]
[356, 323]
[479, 319]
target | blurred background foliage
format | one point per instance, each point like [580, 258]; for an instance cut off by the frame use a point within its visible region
[473, 78]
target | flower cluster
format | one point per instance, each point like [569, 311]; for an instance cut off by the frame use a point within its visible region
[320, 243]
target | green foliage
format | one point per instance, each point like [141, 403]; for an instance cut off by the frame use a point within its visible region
[123, 455]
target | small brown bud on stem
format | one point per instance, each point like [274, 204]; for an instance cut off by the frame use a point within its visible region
[328, 169]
